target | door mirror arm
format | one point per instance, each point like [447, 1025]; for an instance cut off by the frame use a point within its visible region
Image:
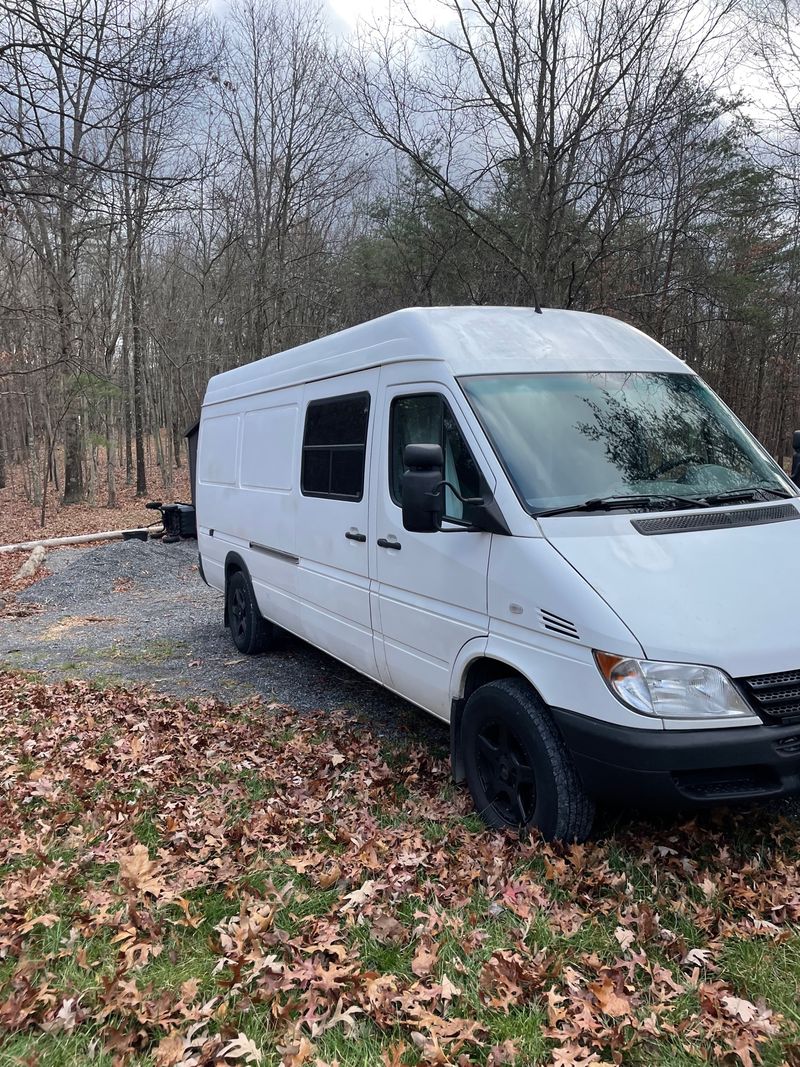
[474, 501]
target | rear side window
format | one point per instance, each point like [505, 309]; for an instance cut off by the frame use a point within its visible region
[334, 447]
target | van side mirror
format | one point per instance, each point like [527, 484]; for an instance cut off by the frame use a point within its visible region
[796, 440]
[423, 499]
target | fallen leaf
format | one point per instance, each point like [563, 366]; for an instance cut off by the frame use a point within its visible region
[361, 896]
[625, 937]
[387, 928]
[242, 1048]
[740, 1009]
[697, 957]
[424, 958]
[65, 1019]
[611, 1002]
[169, 1051]
[137, 871]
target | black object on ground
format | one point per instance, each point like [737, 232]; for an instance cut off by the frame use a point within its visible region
[179, 520]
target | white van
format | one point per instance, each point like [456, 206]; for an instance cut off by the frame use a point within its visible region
[541, 527]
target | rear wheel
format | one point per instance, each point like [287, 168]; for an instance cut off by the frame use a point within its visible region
[518, 769]
[250, 632]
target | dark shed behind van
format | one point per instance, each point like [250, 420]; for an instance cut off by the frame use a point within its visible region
[191, 444]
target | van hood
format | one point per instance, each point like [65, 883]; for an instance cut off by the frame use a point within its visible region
[727, 597]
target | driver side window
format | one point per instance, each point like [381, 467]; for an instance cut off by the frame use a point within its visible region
[426, 418]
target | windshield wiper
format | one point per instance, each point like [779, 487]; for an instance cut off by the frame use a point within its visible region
[747, 494]
[609, 503]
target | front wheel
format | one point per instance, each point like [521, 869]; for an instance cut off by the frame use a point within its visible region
[250, 632]
[518, 769]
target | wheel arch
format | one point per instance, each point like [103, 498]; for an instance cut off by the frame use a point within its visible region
[470, 674]
[234, 562]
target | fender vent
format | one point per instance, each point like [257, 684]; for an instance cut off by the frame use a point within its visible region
[715, 520]
[558, 625]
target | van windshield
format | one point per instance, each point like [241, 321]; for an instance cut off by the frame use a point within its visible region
[568, 439]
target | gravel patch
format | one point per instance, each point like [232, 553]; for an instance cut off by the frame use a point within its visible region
[135, 611]
[58, 559]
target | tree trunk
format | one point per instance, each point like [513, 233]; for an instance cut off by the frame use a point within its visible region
[111, 457]
[177, 435]
[128, 408]
[138, 410]
[137, 363]
[73, 450]
[73, 470]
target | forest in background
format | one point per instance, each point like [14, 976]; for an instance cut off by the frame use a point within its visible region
[184, 189]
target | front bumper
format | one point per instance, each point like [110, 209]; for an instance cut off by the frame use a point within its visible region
[671, 768]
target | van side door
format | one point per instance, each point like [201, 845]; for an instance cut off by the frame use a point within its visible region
[333, 517]
[429, 589]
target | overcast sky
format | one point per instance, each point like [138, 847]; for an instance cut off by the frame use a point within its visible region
[741, 76]
[351, 10]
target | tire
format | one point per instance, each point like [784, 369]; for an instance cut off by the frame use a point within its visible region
[250, 632]
[518, 769]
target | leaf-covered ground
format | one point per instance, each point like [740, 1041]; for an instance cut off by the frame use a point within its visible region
[196, 884]
[10, 564]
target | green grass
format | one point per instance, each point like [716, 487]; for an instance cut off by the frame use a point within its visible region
[158, 650]
[56, 1050]
[763, 970]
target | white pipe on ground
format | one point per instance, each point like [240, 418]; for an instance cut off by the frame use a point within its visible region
[82, 539]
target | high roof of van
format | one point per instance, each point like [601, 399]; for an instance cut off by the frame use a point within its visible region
[469, 340]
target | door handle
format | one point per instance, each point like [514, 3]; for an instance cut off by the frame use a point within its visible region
[384, 543]
[354, 535]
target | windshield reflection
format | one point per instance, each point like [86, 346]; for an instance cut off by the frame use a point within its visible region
[567, 438]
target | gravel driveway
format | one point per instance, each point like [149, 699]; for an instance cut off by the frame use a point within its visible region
[136, 611]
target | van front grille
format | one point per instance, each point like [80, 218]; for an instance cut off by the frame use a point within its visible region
[775, 697]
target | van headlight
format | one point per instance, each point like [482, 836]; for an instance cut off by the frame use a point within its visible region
[671, 690]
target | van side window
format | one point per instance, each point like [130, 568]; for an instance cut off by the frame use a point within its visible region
[334, 447]
[427, 419]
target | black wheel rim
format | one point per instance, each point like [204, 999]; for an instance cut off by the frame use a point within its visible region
[239, 613]
[506, 774]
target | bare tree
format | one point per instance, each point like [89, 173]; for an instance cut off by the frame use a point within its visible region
[550, 104]
[165, 71]
[54, 121]
[291, 153]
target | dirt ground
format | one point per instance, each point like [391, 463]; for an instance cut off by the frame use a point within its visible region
[132, 611]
